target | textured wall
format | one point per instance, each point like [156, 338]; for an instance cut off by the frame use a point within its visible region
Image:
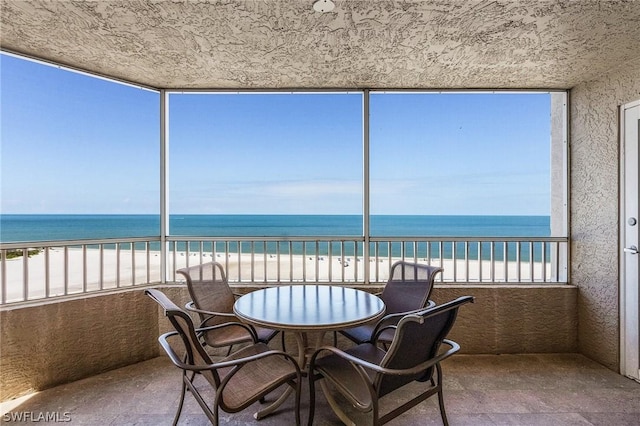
[511, 319]
[594, 207]
[514, 319]
[55, 343]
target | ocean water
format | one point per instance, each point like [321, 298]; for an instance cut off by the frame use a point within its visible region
[24, 228]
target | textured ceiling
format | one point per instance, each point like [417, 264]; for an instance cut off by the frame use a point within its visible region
[361, 44]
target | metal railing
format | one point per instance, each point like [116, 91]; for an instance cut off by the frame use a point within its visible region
[45, 269]
[40, 270]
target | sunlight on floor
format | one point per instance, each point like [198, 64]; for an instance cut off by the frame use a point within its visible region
[11, 405]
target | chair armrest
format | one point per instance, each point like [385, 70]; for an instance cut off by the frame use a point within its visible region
[230, 316]
[454, 347]
[393, 319]
[175, 359]
[344, 355]
[378, 332]
[191, 307]
[250, 329]
[389, 319]
[358, 363]
[209, 314]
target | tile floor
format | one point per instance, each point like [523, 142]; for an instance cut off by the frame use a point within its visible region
[533, 389]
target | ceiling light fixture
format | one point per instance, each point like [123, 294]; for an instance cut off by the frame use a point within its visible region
[323, 6]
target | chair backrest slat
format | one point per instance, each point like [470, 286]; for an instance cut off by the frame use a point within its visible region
[409, 286]
[209, 289]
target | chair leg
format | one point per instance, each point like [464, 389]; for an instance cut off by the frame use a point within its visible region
[284, 347]
[443, 413]
[216, 413]
[312, 398]
[375, 413]
[193, 376]
[298, 392]
[182, 394]
[229, 351]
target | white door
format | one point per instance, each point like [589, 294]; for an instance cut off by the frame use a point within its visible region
[629, 241]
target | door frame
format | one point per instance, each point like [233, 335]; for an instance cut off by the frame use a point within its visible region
[629, 317]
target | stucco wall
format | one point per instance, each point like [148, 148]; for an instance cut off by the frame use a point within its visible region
[594, 207]
[57, 342]
[514, 319]
[509, 318]
[52, 343]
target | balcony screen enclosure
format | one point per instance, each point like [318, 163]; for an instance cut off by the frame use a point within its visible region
[476, 179]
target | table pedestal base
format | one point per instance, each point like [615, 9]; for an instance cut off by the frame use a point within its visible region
[304, 350]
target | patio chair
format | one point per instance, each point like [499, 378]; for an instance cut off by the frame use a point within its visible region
[406, 291]
[238, 380]
[212, 299]
[365, 373]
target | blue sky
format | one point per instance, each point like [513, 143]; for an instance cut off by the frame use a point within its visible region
[76, 144]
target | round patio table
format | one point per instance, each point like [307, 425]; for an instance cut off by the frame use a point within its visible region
[307, 308]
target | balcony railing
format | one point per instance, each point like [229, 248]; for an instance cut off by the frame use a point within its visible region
[46, 269]
[41, 270]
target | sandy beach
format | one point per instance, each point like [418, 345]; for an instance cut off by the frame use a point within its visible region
[110, 269]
